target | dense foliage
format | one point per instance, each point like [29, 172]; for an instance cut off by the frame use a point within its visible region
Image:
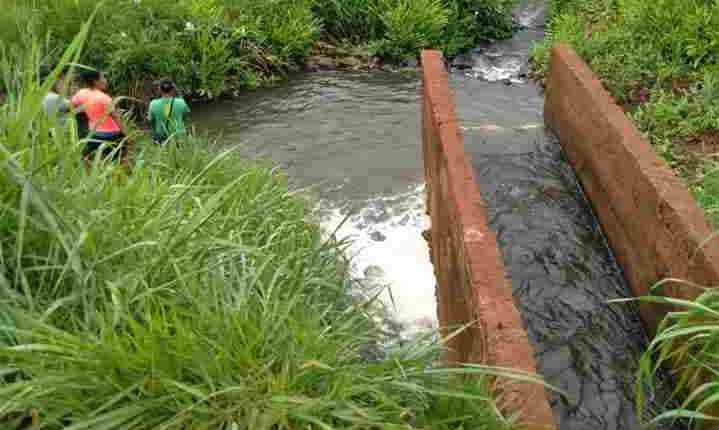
[189, 293]
[660, 59]
[211, 45]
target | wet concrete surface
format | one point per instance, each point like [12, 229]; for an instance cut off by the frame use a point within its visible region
[561, 268]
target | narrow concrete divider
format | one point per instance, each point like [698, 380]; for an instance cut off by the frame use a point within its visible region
[472, 283]
[652, 222]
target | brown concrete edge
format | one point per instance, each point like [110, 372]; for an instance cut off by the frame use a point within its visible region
[472, 282]
[652, 222]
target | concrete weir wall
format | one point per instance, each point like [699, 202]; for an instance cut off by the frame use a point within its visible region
[472, 284]
[652, 222]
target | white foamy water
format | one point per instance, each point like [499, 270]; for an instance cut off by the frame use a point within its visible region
[390, 256]
[493, 67]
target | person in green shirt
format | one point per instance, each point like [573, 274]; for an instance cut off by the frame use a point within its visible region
[167, 114]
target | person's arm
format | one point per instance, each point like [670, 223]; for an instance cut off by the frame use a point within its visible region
[115, 115]
[65, 106]
[77, 101]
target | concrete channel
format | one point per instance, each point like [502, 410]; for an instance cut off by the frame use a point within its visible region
[535, 229]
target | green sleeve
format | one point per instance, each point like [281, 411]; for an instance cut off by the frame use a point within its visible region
[186, 106]
[150, 110]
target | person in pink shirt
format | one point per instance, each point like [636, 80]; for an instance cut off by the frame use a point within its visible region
[103, 120]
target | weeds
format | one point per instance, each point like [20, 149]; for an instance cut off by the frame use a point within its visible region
[686, 339]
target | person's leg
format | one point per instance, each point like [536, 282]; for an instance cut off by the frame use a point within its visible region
[111, 144]
[88, 153]
[159, 139]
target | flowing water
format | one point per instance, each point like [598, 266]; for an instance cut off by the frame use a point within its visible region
[355, 139]
[557, 258]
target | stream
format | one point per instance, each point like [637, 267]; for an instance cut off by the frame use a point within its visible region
[352, 142]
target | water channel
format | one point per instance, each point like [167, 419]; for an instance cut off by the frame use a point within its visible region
[561, 268]
[353, 141]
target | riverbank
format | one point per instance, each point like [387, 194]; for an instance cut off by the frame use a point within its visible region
[191, 293]
[658, 61]
[213, 46]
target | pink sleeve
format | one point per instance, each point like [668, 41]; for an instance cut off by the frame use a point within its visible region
[78, 99]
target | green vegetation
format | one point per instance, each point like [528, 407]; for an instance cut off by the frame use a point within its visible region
[660, 60]
[190, 293]
[208, 46]
[687, 338]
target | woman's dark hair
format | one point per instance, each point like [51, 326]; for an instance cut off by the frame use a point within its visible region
[166, 86]
[89, 77]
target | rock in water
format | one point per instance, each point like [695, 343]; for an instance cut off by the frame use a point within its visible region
[462, 62]
[410, 63]
[349, 63]
[378, 236]
[373, 272]
[325, 48]
[318, 63]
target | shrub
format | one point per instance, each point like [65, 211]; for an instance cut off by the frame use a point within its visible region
[356, 21]
[411, 25]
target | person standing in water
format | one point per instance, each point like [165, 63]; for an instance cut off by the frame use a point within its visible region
[103, 120]
[167, 114]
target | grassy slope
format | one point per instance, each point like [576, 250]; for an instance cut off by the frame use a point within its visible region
[659, 60]
[190, 294]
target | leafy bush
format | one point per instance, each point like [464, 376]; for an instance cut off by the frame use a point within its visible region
[685, 32]
[350, 20]
[411, 25]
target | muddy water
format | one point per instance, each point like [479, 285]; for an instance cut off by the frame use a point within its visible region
[561, 268]
[354, 140]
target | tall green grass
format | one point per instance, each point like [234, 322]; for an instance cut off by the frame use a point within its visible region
[189, 293]
[687, 340]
